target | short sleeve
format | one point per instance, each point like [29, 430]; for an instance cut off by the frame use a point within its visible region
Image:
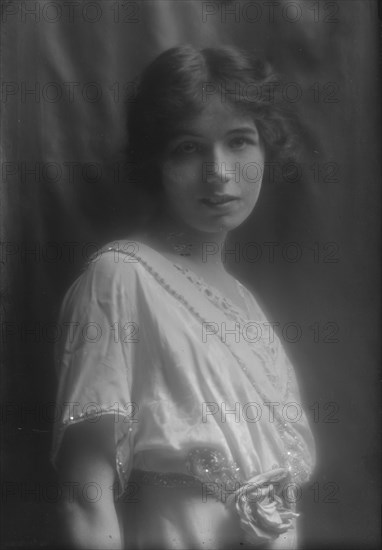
[96, 355]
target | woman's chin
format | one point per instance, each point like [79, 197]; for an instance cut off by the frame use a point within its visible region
[224, 224]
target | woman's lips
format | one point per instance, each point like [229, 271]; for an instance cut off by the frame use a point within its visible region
[216, 201]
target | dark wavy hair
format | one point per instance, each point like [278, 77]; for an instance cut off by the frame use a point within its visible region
[176, 86]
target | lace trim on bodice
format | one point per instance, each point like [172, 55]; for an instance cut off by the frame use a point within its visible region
[263, 342]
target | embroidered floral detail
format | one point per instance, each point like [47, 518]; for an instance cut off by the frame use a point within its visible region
[211, 465]
[263, 510]
[261, 503]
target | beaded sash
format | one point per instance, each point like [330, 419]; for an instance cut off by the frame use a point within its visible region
[169, 480]
[264, 507]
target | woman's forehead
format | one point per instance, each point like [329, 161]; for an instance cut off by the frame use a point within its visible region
[216, 116]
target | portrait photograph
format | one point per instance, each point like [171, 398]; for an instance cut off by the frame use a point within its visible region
[190, 259]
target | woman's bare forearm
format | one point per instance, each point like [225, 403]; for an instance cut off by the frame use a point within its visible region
[87, 474]
[90, 526]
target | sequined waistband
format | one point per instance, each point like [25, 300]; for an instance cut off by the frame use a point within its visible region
[171, 480]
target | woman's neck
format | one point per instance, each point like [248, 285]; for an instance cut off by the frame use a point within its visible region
[186, 244]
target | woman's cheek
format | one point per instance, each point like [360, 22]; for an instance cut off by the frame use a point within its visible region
[182, 175]
[172, 180]
[252, 195]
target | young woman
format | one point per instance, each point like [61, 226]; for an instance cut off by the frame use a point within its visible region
[181, 421]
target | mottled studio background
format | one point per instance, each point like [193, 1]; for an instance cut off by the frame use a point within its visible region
[66, 68]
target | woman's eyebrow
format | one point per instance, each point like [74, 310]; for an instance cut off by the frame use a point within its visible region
[243, 130]
[184, 133]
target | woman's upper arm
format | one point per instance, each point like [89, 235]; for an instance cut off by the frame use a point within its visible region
[86, 473]
[96, 371]
[86, 461]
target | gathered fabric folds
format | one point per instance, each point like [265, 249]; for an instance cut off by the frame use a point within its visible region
[203, 395]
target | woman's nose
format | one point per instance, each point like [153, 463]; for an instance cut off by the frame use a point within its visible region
[216, 169]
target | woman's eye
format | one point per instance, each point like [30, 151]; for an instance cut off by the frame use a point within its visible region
[187, 147]
[239, 143]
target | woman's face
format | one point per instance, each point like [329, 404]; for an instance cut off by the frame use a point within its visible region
[212, 169]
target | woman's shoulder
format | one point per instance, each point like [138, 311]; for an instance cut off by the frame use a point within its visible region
[114, 257]
[114, 266]
[132, 255]
[123, 255]
[110, 278]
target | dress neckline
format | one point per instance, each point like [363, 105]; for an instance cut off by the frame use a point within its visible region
[212, 293]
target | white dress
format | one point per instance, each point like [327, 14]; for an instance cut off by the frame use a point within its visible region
[203, 396]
